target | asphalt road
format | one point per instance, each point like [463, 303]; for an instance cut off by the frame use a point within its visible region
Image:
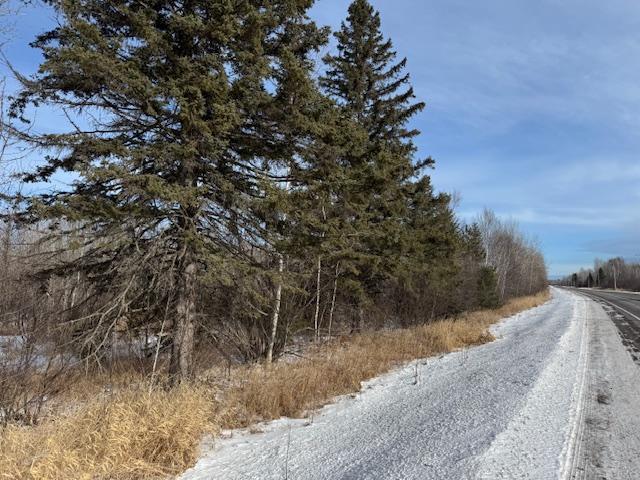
[627, 315]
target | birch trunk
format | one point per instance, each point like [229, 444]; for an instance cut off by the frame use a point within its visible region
[317, 312]
[333, 297]
[276, 311]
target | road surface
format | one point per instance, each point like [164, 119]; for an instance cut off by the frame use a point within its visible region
[627, 307]
[556, 396]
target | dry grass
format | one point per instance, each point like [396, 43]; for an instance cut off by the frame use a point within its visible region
[135, 433]
[132, 434]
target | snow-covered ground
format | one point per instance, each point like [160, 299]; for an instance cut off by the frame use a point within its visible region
[550, 399]
[611, 442]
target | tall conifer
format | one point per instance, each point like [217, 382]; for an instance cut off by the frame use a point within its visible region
[174, 142]
[373, 90]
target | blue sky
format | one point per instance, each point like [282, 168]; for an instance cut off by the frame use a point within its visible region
[533, 110]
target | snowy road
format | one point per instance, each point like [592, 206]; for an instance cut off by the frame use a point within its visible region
[555, 397]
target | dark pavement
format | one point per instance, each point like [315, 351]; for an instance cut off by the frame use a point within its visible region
[627, 307]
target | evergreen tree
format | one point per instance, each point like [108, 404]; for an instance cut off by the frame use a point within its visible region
[472, 238]
[325, 225]
[431, 238]
[369, 83]
[488, 288]
[175, 143]
[428, 264]
[372, 89]
[470, 256]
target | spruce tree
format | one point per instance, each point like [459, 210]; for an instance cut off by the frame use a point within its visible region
[431, 247]
[373, 90]
[470, 258]
[174, 142]
[488, 288]
[368, 81]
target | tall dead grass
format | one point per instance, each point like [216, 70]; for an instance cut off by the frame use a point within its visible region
[129, 435]
[137, 433]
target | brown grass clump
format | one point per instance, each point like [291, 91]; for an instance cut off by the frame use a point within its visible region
[137, 433]
[132, 434]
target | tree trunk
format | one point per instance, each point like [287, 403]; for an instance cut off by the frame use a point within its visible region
[333, 298]
[503, 287]
[357, 323]
[276, 311]
[317, 312]
[6, 242]
[181, 362]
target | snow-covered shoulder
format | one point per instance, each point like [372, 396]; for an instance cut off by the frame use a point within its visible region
[513, 408]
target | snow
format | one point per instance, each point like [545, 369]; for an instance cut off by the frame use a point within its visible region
[514, 408]
[611, 447]
[550, 421]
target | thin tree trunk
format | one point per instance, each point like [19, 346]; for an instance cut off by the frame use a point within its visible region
[276, 311]
[6, 241]
[317, 312]
[531, 276]
[503, 287]
[333, 298]
[157, 352]
[74, 289]
[181, 362]
[357, 322]
[433, 308]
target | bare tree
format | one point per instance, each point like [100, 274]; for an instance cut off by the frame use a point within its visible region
[517, 260]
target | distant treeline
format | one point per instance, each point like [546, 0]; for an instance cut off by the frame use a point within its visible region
[612, 273]
[226, 197]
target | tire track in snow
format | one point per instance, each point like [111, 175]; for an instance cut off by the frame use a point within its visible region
[542, 438]
[572, 454]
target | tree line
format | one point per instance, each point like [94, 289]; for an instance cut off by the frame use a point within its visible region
[613, 274]
[226, 189]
